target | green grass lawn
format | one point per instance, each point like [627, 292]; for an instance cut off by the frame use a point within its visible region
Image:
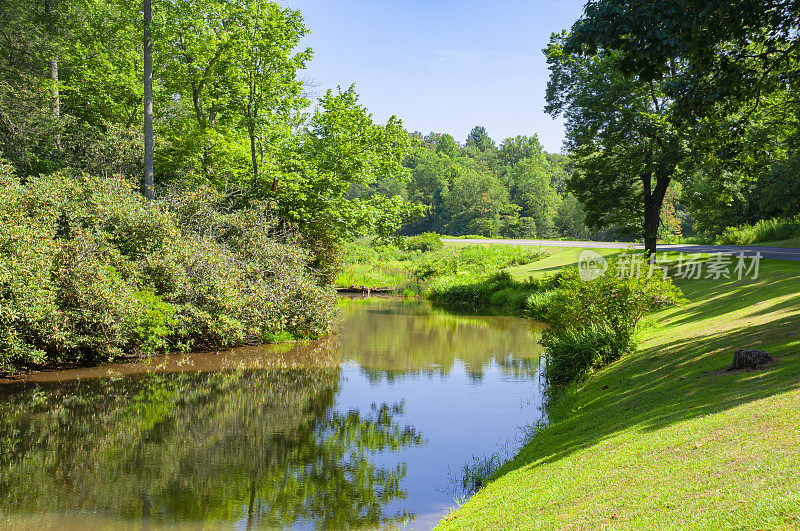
[665, 439]
[794, 242]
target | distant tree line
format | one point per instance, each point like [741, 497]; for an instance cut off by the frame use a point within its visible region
[514, 190]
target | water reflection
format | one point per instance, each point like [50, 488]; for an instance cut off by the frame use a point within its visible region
[352, 431]
[388, 339]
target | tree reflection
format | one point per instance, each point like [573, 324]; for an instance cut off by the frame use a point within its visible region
[265, 448]
[416, 338]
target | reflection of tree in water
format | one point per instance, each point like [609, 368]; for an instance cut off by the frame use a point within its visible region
[264, 447]
[419, 339]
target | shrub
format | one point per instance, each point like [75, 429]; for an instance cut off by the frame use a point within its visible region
[618, 303]
[766, 230]
[593, 323]
[468, 291]
[427, 242]
[537, 302]
[574, 352]
[89, 270]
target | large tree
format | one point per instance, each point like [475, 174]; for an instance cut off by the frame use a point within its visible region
[731, 68]
[620, 130]
[479, 138]
[147, 46]
[729, 51]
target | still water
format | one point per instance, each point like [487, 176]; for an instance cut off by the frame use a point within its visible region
[368, 428]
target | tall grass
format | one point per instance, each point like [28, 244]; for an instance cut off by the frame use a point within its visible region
[766, 230]
[411, 268]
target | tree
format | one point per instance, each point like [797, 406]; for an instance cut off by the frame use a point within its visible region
[569, 219]
[534, 193]
[479, 138]
[513, 150]
[340, 148]
[267, 93]
[148, 101]
[728, 52]
[447, 145]
[27, 124]
[474, 201]
[626, 147]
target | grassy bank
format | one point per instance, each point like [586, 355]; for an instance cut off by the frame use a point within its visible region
[664, 438]
[409, 266]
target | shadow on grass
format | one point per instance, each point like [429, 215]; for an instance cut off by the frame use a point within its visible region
[679, 375]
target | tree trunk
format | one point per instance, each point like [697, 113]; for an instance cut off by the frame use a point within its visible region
[148, 103]
[56, 97]
[653, 201]
[48, 10]
[652, 218]
[251, 132]
[253, 157]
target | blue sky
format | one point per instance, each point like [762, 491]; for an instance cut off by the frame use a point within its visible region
[441, 65]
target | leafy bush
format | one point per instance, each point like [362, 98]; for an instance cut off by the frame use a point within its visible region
[574, 352]
[537, 302]
[468, 291]
[593, 323]
[766, 230]
[618, 303]
[89, 270]
[427, 242]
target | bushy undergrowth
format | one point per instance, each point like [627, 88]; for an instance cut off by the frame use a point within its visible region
[426, 242]
[591, 323]
[573, 352]
[89, 270]
[767, 230]
[478, 290]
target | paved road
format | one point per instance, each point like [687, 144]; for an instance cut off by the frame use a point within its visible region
[773, 253]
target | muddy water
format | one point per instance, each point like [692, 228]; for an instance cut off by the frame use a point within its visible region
[367, 428]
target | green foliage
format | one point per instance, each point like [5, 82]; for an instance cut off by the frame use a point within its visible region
[447, 146]
[591, 323]
[731, 51]
[514, 191]
[470, 291]
[426, 242]
[573, 353]
[618, 303]
[385, 265]
[767, 230]
[476, 290]
[154, 323]
[91, 271]
[230, 111]
[476, 473]
[626, 143]
[780, 188]
[479, 138]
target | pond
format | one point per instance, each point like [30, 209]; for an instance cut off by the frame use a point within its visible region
[367, 428]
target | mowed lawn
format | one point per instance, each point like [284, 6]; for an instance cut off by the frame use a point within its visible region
[666, 439]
